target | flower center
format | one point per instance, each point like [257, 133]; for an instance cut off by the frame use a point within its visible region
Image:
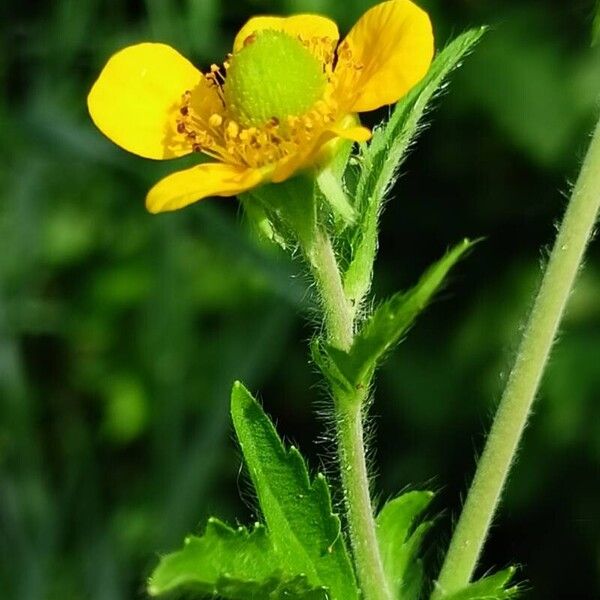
[272, 78]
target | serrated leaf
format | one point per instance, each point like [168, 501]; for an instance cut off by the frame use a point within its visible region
[400, 543]
[236, 564]
[390, 321]
[297, 510]
[381, 159]
[493, 587]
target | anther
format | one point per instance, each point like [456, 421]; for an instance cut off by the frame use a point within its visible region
[232, 129]
[215, 120]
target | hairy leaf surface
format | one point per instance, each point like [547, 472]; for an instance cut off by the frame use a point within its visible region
[387, 325]
[400, 542]
[381, 159]
[236, 564]
[493, 587]
[297, 510]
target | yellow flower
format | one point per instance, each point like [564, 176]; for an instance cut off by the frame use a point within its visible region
[284, 94]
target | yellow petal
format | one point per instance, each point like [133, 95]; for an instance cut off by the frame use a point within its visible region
[135, 99]
[394, 43]
[199, 182]
[357, 133]
[306, 27]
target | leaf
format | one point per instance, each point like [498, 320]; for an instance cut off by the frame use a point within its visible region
[400, 542]
[381, 159]
[388, 323]
[492, 587]
[299, 555]
[320, 353]
[297, 510]
[233, 563]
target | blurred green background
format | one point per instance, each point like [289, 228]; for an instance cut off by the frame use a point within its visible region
[121, 332]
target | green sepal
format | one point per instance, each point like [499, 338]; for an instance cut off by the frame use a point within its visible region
[236, 564]
[493, 587]
[342, 151]
[381, 158]
[290, 207]
[259, 221]
[400, 539]
[333, 192]
[386, 326]
[297, 510]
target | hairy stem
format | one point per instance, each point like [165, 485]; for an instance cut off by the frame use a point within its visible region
[336, 307]
[359, 510]
[515, 405]
[339, 325]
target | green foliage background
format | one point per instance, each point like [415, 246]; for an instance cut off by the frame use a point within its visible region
[121, 333]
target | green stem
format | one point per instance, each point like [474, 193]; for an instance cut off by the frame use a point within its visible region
[359, 510]
[337, 310]
[339, 324]
[515, 405]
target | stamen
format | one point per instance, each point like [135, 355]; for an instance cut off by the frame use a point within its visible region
[232, 129]
[222, 137]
